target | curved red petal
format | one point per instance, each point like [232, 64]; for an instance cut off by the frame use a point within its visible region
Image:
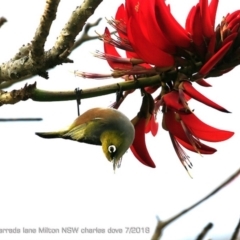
[172, 101]
[148, 126]
[147, 19]
[174, 126]
[110, 49]
[131, 7]
[144, 48]
[190, 90]
[170, 27]
[211, 47]
[232, 16]
[206, 68]
[138, 147]
[208, 27]
[121, 19]
[151, 89]
[203, 83]
[154, 125]
[213, 10]
[197, 33]
[230, 38]
[204, 131]
[202, 148]
[121, 14]
[189, 19]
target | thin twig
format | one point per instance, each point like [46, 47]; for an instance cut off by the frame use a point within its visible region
[85, 36]
[20, 119]
[204, 232]
[2, 21]
[236, 231]
[162, 224]
[31, 92]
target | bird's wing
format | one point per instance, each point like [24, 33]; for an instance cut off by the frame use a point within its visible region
[85, 132]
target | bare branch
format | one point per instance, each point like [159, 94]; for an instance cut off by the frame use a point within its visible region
[43, 29]
[85, 36]
[23, 52]
[204, 231]
[162, 224]
[16, 95]
[2, 21]
[22, 67]
[64, 44]
[31, 92]
[20, 119]
[236, 231]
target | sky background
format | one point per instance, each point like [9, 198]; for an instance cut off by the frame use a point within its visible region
[59, 183]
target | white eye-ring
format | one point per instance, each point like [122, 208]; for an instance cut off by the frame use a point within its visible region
[112, 148]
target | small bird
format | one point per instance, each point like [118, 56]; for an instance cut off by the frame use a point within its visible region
[100, 126]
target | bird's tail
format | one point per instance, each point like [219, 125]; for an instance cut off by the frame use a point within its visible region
[50, 134]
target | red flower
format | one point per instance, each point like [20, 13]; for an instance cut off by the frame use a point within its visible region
[156, 44]
[144, 122]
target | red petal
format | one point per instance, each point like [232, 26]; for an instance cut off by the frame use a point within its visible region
[144, 48]
[151, 89]
[198, 34]
[121, 14]
[189, 20]
[110, 49]
[147, 19]
[229, 38]
[172, 101]
[232, 16]
[154, 125]
[131, 7]
[203, 83]
[212, 10]
[138, 147]
[211, 47]
[134, 55]
[235, 28]
[206, 68]
[208, 28]
[121, 17]
[148, 126]
[170, 27]
[203, 131]
[203, 149]
[174, 126]
[190, 90]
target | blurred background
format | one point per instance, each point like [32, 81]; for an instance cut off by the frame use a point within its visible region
[58, 183]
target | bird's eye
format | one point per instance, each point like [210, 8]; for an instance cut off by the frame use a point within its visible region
[112, 149]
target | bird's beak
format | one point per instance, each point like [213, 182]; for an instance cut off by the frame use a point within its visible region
[116, 163]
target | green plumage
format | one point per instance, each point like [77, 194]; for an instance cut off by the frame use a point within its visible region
[100, 126]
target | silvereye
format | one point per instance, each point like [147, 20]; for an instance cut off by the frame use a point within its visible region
[100, 126]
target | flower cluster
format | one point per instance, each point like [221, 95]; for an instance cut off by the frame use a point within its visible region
[156, 44]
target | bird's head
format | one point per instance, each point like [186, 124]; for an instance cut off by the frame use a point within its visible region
[115, 144]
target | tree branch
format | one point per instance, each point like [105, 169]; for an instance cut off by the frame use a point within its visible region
[236, 231]
[162, 224]
[85, 36]
[20, 119]
[204, 231]
[43, 29]
[25, 66]
[31, 92]
[2, 21]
